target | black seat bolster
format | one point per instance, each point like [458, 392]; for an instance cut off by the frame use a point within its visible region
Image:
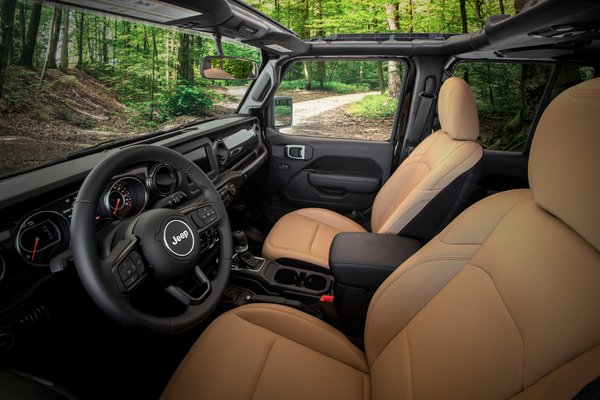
[365, 260]
[445, 206]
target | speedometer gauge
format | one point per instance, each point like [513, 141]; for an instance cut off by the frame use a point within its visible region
[119, 200]
[125, 197]
[42, 236]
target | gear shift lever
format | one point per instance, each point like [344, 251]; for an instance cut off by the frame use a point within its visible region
[240, 241]
[240, 245]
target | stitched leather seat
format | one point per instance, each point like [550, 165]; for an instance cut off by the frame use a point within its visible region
[425, 192]
[503, 303]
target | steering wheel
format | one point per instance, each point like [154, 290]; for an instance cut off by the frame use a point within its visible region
[162, 245]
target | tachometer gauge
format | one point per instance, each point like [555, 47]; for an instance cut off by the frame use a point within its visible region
[119, 200]
[125, 197]
[42, 236]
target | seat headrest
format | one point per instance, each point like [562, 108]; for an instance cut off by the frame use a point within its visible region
[564, 167]
[457, 110]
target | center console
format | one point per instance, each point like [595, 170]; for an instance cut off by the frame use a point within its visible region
[256, 279]
[359, 263]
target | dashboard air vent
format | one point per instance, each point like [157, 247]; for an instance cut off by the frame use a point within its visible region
[222, 153]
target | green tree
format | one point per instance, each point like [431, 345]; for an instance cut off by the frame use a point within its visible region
[7, 17]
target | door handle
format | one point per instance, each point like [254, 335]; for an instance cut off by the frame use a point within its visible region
[296, 151]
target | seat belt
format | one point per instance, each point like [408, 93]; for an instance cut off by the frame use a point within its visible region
[424, 114]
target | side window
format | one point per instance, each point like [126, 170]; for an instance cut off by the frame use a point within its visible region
[508, 96]
[341, 99]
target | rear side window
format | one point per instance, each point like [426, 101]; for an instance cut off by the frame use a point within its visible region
[508, 96]
[343, 99]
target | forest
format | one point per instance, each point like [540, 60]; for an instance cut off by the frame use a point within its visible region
[154, 73]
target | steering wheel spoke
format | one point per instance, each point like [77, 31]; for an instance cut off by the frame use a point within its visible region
[197, 288]
[126, 265]
[204, 215]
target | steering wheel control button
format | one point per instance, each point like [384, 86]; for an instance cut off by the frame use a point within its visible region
[139, 263]
[205, 216]
[127, 269]
[178, 237]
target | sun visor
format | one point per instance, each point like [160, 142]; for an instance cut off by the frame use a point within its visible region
[162, 12]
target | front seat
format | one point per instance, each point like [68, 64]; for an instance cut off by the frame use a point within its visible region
[424, 193]
[503, 303]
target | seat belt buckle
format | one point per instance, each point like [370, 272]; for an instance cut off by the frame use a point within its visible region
[328, 306]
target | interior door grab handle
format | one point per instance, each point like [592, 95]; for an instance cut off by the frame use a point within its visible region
[296, 151]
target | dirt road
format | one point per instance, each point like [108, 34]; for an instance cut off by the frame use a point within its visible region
[306, 111]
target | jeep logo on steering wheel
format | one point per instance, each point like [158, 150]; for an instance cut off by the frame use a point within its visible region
[178, 238]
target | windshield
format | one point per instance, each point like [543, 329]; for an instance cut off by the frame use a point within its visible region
[71, 80]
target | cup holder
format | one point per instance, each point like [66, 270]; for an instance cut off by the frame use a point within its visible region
[315, 282]
[286, 276]
[290, 277]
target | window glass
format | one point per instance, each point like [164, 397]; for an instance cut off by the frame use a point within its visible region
[570, 75]
[508, 96]
[342, 99]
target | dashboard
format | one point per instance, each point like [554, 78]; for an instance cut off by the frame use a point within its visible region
[36, 208]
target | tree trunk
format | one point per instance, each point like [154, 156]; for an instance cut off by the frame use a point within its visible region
[53, 41]
[308, 78]
[305, 34]
[32, 33]
[380, 77]
[321, 72]
[80, 40]
[105, 42]
[167, 59]
[394, 80]
[22, 25]
[64, 47]
[463, 16]
[411, 24]
[154, 56]
[7, 20]
[501, 2]
[184, 71]
[114, 43]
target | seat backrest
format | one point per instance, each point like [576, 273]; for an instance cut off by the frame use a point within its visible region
[439, 172]
[505, 300]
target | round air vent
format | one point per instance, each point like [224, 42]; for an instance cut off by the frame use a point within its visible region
[162, 180]
[222, 152]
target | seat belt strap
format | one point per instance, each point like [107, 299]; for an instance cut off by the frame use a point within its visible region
[428, 98]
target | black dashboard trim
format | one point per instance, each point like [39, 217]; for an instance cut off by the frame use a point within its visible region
[35, 183]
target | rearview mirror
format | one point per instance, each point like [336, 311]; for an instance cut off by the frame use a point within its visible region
[228, 68]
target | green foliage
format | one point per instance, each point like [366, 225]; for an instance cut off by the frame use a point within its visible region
[296, 84]
[345, 88]
[332, 86]
[184, 99]
[374, 106]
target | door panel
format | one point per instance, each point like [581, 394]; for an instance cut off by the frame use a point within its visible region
[341, 175]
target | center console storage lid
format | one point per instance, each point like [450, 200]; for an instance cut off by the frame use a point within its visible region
[365, 260]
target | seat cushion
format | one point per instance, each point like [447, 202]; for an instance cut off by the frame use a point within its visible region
[266, 351]
[306, 235]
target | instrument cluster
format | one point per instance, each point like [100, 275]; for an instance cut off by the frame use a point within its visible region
[45, 232]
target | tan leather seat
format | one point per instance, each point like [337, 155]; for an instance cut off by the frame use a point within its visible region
[503, 303]
[437, 168]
